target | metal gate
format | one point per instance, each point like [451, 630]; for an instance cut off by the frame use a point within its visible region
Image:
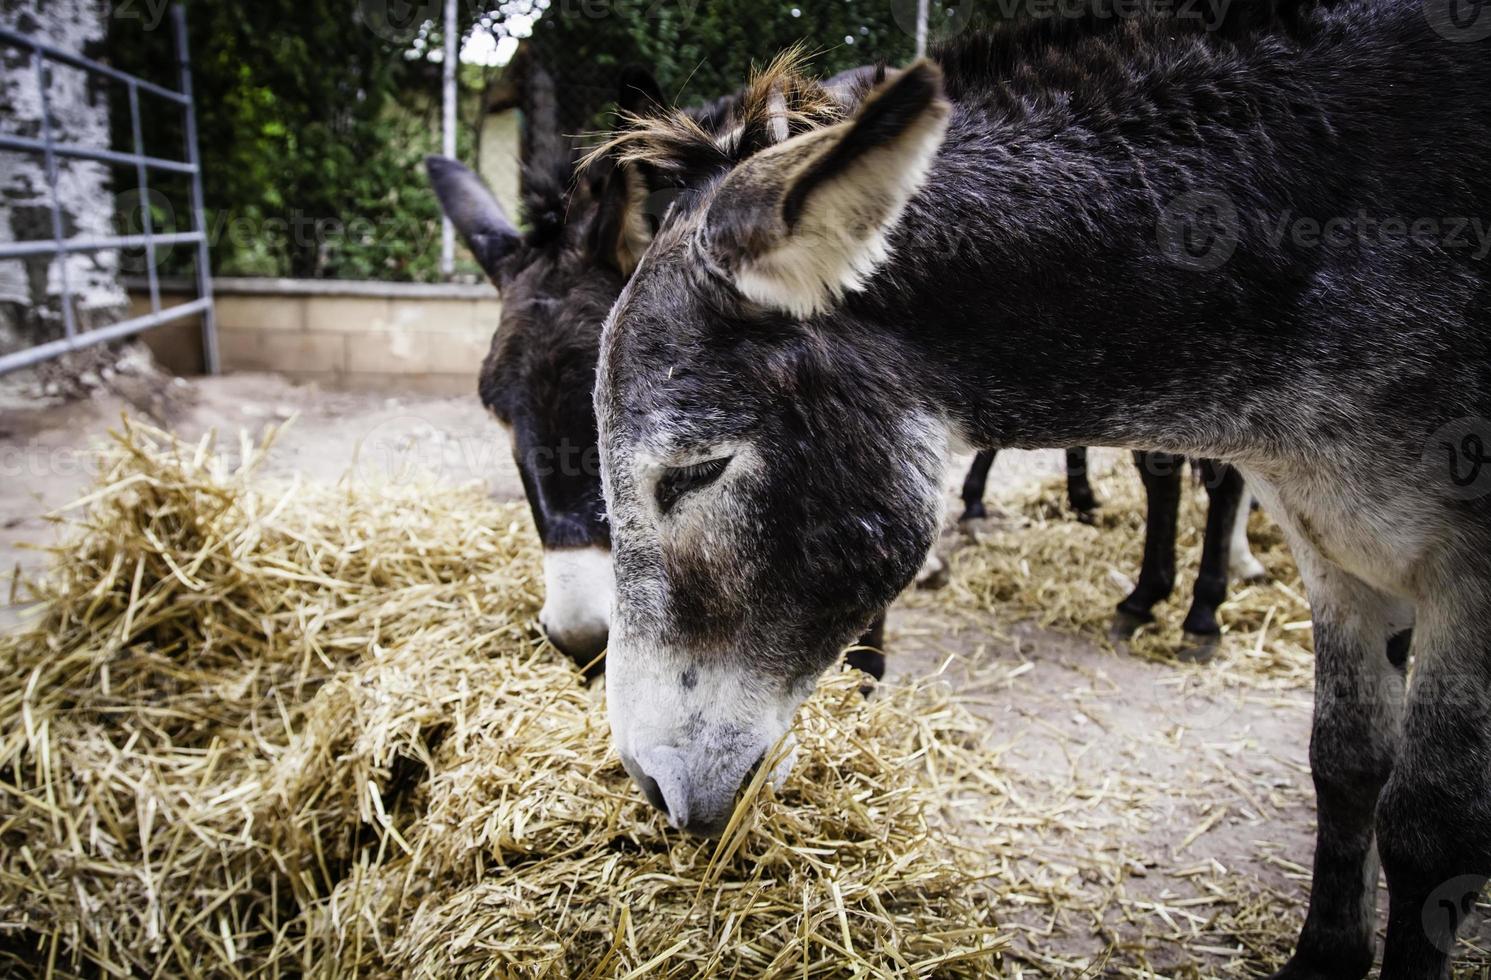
[59, 247]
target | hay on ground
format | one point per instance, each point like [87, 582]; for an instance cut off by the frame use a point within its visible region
[310, 731]
[1034, 561]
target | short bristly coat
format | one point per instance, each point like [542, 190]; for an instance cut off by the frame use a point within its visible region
[800, 413]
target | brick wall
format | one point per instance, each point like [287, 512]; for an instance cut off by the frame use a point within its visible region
[351, 335]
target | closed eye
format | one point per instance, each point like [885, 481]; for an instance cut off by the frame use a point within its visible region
[678, 481]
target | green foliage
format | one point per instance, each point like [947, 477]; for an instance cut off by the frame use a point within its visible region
[700, 49]
[313, 115]
[311, 127]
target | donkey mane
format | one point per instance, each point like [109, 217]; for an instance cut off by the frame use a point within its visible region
[1105, 55]
[680, 145]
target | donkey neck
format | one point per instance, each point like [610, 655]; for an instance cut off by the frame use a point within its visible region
[1042, 279]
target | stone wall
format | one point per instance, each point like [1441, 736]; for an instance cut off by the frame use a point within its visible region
[348, 335]
[31, 289]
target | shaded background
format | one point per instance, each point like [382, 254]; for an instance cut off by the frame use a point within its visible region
[314, 114]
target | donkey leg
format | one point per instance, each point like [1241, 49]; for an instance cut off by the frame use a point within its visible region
[1434, 821]
[1162, 484]
[1353, 744]
[1224, 489]
[868, 652]
[1078, 489]
[1241, 563]
[974, 483]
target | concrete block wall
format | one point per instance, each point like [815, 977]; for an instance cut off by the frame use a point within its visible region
[345, 335]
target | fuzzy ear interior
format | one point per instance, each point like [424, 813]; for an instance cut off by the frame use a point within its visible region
[475, 213]
[622, 229]
[799, 225]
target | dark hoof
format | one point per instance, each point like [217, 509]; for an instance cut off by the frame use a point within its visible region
[1126, 623]
[1348, 967]
[974, 511]
[868, 661]
[1086, 517]
[1199, 648]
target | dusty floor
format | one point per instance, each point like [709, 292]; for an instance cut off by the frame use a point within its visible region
[1165, 824]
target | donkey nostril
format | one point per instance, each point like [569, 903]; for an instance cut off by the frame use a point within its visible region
[583, 646]
[653, 794]
[661, 774]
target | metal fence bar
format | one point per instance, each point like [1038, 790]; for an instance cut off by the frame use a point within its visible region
[87, 64]
[60, 248]
[142, 174]
[199, 211]
[69, 325]
[44, 246]
[94, 153]
[114, 331]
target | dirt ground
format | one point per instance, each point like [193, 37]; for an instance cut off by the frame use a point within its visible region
[1162, 826]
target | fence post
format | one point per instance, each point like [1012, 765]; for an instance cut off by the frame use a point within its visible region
[448, 132]
[210, 361]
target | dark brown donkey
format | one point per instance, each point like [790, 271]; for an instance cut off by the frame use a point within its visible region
[558, 281]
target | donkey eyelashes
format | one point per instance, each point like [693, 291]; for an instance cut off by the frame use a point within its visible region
[676, 482]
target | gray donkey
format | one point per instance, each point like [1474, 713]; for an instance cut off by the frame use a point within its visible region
[811, 334]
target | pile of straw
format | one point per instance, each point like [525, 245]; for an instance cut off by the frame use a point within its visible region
[1034, 561]
[310, 731]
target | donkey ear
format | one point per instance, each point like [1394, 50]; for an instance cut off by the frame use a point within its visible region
[799, 225]
[474, 212]
[623, 226]
[640, 93]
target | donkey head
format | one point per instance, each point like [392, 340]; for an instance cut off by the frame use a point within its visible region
[773, 478]
[558, 281]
